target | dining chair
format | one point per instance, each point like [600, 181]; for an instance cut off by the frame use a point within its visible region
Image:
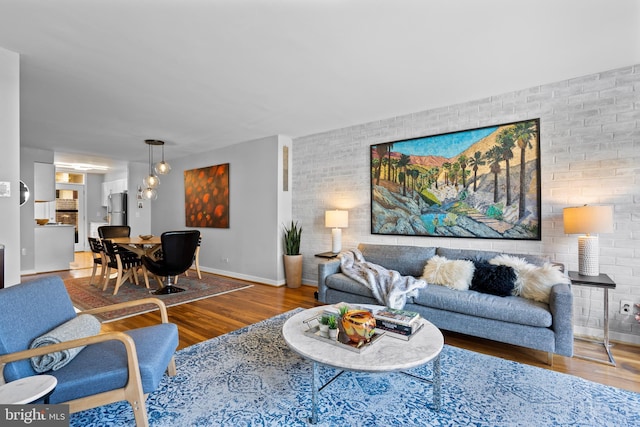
[178, 250]
[109, 367]
[126, 264]
[99, 258]
[111, 231]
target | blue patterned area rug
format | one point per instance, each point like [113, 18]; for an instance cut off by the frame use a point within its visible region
[250, 378]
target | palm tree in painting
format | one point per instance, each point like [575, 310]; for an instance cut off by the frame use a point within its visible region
[414, 175]
[506, 145]
[463, 161]
[394, 166]
[495, 157]
[385, 165]
[455, 172]
[381, 150]
[389, 147]
[403, 163]
[475, 162]
[447, 168]
[375, 165]
[523, 133]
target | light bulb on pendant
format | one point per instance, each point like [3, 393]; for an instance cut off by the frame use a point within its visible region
[151, 181]
[162, 168]
[150, 193]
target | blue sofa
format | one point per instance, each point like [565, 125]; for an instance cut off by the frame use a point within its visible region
[512, 319]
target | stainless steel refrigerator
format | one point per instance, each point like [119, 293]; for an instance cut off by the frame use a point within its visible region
[117, 209]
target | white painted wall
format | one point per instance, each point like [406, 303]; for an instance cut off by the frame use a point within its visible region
[590, 153]
[251, 243]
[10, 163]
[139, 218]
[28, 156]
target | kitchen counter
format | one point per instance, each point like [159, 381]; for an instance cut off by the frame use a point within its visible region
[53, 247]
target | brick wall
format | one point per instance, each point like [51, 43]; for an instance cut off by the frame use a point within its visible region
[590, 153]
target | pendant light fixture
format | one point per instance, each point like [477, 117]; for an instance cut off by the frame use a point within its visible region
[162, 168]
[151, 181]
[150, 193]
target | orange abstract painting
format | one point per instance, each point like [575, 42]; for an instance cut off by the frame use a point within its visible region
[206, 196]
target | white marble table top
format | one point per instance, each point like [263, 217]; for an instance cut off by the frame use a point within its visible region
[27, 390]
[386, 354]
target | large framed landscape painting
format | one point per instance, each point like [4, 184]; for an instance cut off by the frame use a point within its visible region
[479, 183]
[206, 196]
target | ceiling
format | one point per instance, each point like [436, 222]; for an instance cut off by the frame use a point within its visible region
[99, 77]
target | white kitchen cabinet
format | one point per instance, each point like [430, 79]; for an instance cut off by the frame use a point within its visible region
[44, 182]
[53, 247]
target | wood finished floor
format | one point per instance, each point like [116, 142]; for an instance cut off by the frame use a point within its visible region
[201, 320]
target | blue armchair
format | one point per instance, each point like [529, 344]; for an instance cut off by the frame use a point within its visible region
[112, 367]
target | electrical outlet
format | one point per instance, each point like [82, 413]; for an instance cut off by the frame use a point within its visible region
[626, 307]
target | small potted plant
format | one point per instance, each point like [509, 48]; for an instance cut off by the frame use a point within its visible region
[343, 310]
[324, 325]
[292, 256]
[333, 327]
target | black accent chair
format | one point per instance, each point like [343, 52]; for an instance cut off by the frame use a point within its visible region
[178, 250]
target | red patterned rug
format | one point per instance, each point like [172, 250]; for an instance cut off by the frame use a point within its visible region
[86, 296]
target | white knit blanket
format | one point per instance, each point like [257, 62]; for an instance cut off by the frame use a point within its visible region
[388, 286]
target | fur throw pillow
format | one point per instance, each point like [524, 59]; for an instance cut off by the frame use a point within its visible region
[454, 274]
[493, 279]
[532, 281]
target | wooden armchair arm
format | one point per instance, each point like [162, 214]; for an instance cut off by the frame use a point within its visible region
[129, 345]
[161, 306]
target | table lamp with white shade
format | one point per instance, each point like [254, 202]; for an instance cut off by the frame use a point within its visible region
[336, 220]
[588, 221]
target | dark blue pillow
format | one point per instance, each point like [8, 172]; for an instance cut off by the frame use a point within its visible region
[493, 279]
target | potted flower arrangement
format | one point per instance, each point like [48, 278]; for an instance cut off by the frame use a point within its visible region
[292, 256]
[324, 325]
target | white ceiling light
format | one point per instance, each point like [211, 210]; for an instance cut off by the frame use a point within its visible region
[81, 166]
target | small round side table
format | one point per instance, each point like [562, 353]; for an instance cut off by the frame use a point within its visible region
[28, 390]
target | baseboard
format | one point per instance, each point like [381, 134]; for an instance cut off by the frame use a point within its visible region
[250, 278]
[28, 272]
[247, 277]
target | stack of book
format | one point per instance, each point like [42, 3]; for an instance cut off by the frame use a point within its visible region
[402, 324]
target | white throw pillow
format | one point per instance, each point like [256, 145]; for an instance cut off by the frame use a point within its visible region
[532, 281]
[454, 274]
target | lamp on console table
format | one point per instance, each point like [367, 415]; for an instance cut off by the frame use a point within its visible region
[588, 220]
[336, 220]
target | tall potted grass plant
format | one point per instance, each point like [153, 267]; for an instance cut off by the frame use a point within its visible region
[292, 257]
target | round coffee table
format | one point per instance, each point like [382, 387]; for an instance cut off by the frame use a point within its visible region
[387, 354]
[28, 389]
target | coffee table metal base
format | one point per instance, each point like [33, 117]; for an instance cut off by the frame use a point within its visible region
[316, 388]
